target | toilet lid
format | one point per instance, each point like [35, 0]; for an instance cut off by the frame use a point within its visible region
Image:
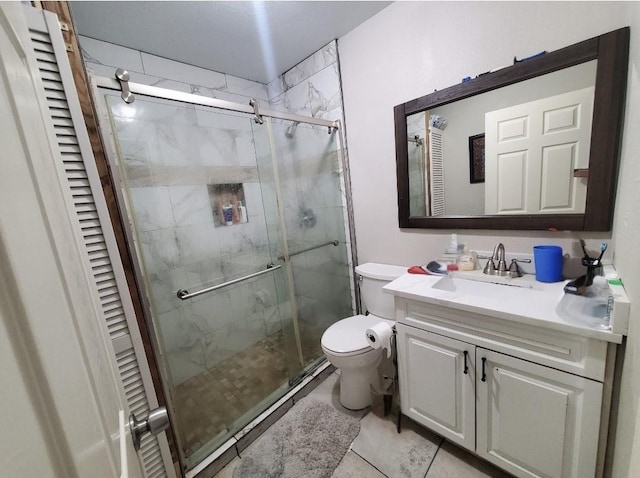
[348, 335]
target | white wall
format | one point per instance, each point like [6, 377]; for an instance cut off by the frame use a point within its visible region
[411, 48]
[408, 50]
[626, 231]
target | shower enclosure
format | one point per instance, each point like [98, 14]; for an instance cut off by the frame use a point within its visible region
[240, 227]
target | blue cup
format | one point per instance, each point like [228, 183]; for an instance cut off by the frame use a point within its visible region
[548, 262]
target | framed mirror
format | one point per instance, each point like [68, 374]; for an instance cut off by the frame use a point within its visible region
[530, 146]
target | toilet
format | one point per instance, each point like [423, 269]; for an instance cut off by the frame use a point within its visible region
[345, 344]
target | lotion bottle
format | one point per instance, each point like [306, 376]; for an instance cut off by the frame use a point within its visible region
[243, 212]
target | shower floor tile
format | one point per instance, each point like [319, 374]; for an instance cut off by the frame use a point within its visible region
[208, 404]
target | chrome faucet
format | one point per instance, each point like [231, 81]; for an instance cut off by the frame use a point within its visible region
[501, 269]
[498, 255]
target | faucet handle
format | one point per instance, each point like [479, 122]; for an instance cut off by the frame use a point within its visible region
[489, 267]
[514, 269]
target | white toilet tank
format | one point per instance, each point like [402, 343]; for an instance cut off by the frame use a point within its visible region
[373, 278]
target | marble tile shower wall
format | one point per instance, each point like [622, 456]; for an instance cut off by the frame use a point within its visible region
[103, 58]
[313, 181]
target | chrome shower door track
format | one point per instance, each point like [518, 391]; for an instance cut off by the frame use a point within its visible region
[113, 84]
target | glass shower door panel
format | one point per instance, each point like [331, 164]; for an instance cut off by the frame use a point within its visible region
[195, 205]
[314, 210]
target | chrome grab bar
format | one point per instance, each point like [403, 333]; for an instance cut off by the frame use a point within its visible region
[302, 251]
[184, 294]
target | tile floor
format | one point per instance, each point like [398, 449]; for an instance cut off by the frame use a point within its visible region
[379, 451]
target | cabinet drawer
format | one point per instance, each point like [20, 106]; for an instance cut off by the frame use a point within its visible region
[570, 353]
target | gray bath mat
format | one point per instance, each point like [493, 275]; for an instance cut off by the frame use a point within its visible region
[308, 442]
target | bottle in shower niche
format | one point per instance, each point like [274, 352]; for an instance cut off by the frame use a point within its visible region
[227, 212]
[242, 210]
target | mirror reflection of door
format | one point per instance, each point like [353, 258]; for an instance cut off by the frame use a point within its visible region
[457, 194]
[536, 153]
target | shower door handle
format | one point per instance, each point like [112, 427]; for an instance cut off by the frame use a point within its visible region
[154, 423]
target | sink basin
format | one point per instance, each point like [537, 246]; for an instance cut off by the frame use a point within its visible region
[489, 290]
[588, 311]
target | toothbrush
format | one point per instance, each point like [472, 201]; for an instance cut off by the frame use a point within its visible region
[603, 247]
[584, 249]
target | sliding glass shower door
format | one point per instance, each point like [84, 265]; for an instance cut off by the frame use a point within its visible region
[239, 233]
[312, 224]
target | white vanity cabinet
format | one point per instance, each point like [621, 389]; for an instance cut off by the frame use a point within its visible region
[525, 399]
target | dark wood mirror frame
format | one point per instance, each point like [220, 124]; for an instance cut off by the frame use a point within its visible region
[612, 52]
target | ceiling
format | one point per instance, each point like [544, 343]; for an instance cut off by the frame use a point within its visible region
[255, 40]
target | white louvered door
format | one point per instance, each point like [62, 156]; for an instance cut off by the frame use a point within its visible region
[436, 170]
[83, 185]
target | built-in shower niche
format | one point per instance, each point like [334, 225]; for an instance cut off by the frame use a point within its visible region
[228, 204]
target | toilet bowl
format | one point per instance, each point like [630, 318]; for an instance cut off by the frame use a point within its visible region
[345, 344]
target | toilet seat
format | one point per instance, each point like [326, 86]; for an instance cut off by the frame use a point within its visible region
[347, 336]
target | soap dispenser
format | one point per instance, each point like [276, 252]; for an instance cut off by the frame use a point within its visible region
[467, 260]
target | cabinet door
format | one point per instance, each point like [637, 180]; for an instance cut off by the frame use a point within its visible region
[536, 421]
[436, 383]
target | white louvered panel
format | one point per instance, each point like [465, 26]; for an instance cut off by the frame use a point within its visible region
[132, 380]
[80, 190]
[55, 94]
[63, 130]
[116, 330]
[100, 264]
[52, 85]
[73, 166]
[106, 285]
[46, 57]
[40, 37]
[95, 238]
[60, 112]
[62, 122]
[50, 76]
[71, 157]
[106, 290]
[89, 224]
[80, 198]
[436, 162]
[90, 230]
[99, 256]
[47, 66]
[88, 216]
[66, 148]
[86, 208]
[77, 175]
[64, 140]
[112, 308]
[41, 46]
[106, 280]
[151, 459]
[111, 302]
[54, 71]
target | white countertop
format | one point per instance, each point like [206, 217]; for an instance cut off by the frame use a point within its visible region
[533, 304]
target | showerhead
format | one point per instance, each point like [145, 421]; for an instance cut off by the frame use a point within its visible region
[291, 129]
